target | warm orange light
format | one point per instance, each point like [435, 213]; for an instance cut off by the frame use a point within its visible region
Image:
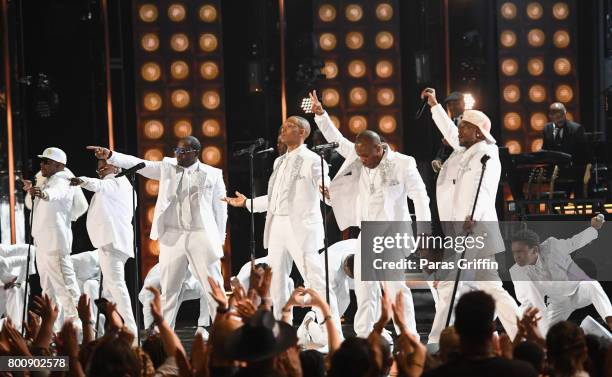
[385, 96]
[153, 129]
[152, 101]
[211, 155]
[384, 12]
[211, 128]
[507, 38]
[209, 70]
[179, 42]
[211, 99]
[357, 123]
[330, 69]
[538, 121]
[150, 214]
[512, 121]
[150, 71]
[354, 12]
[354, 40]
[509, 67]
[384, 40]
[148, 13]
[384, 69]
[387, 124]
[514, 147]
[357, 68]
[176, 12]
[560, 11]
[569, 116]
[563, 66]
[335, 121]
[180, 98]
[152, 187]
[358, 96]
[564, 93]
[535, 11]
[327, 41]
[208, 42]
[331, 97]
[153, 247]
[327, 13]
[508, 11]
[512, 93]
[154, 154]
[182, 128]
[208, 13]
[537, 93]
[536, 145]
[536, 38]
[535, 66]
[561, 39]
[179, 70]
[149, 42]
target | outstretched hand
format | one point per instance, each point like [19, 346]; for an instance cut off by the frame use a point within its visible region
[101, 153]
[238, 201]
[316, 108]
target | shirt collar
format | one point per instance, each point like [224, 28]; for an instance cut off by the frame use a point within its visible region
[295, 152]
[191, 168]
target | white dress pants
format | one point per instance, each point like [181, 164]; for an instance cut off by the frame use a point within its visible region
[588, 292]
[282, 249]
[112, 265]
[368, 293]
[178, 251]
[58, 280]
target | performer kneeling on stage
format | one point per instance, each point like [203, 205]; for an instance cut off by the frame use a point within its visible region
[189, 219]
[109, 225]
[544, 272]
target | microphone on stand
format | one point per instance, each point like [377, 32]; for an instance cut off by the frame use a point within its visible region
[269, 150]
[131, 170]
[323, 147]
[254, 145]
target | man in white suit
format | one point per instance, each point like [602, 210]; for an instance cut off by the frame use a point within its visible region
[189, 219]
[109, 225]
[456, 189]
[12, 279]
[294, 225]
[547, 270]
[373, 184]
[54, 207]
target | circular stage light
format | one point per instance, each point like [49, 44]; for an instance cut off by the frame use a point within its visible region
[211, 99]
[561, 11]
[153, 129]
[384, 12]
[335, 121]
[358, 96]
[208, 13]
[209, 70]
[208, 42]
[536, 38]
[176, 12]
[384, 69]
[507, 38]
[152, 101]
[150, 71]
[385, 96]
[354, 40]
[514, 147]
[564, 93]
[152, 185]
[561, 39]
[535, 66]
[149, 42]
[180, 98]
[512, 121]
[330, 69]
[148, 13]
[211, 128]
[508, 11]
[384, 40]
[357, 68]
[327, 41]
[512, 93]
[387, 124]
[538, 121]
[327, 13]
[179, 70]
[537, 93]
[354, 12]
[509, 67]
[211, 155]
[357, 123]
[179, 42]
[182, 128]
[536, 145]
[154, 154]
[534, 11]
[563, 66]
[331, 97]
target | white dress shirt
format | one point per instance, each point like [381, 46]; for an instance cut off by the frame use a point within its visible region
[371, 197]
[179, 214]
[279, 203]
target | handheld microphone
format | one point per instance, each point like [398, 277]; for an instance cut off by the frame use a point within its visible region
[131, 170]
[269, 150]
[323, 147]
[421, 110]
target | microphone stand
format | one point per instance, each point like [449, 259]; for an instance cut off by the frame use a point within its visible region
[483, 161]
[322, 155]
[132, 177]
[27, 275]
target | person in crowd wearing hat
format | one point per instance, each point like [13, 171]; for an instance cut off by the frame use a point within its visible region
[13, 260]
[373, 184]
[54, 204]
[455, 105]
[189, 220]
[294, 225]
[456, 190]
[109, 225]
[547, 270]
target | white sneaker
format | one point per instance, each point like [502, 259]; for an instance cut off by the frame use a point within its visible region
[201, 330]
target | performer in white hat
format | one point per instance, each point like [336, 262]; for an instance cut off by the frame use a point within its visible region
[456, 190]
[55, 205]
[109, 225]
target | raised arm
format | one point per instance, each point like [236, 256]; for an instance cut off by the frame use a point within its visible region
[152, 169]
[330, 132]
[579, 240]
[445, 124]
[97, 185]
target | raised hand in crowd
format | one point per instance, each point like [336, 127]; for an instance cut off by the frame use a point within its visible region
[32, 326]
[48, 312]
[410, 354]
[17, 345]
[528, 327]
[84, 311]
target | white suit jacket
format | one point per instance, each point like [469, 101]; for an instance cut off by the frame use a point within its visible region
[13, 260]
[400, 178]
[51, 223]
[109, 220]
[339, 282]
[303, 197]
[211, 189]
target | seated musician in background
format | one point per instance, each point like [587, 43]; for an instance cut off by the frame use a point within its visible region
[563, 135]
[454, 104]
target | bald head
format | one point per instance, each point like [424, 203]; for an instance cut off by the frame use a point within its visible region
[192, 142]
[557, 106]
[302, 123]
[294, 131]
[369, 137]
[369, 148]
[557, 114]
